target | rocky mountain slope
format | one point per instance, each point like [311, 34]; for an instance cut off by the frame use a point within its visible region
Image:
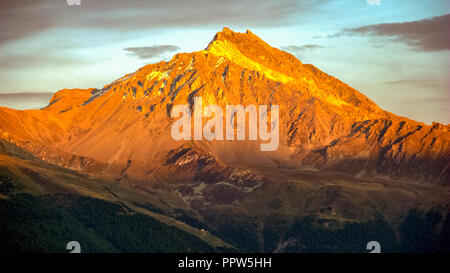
[122, 131]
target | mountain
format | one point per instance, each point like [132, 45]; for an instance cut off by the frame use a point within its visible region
[123, 129]
[341, 158]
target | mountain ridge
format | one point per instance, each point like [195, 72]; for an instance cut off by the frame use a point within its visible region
[122, 130]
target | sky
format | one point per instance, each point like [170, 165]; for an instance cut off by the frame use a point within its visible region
[396, 53]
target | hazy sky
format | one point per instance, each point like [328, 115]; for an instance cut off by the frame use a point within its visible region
[396, 53]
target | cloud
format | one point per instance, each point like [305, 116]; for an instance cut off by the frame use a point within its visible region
[148, 52]
[431, 34]
[32, 60]
[29, 17]
[25, 100]
[23, 18]
[301, 49]
[418, 82]
[433, 100]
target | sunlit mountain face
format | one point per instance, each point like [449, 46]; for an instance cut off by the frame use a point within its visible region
[344, 171]
[124, 129]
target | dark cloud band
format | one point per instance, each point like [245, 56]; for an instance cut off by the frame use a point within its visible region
[302, 48]
[432, 34]
[25, 100]
[149, 52]
[27, 17]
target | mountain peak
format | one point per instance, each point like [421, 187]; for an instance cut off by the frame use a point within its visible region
[251, 52]
[237, 38]
[227, 30]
